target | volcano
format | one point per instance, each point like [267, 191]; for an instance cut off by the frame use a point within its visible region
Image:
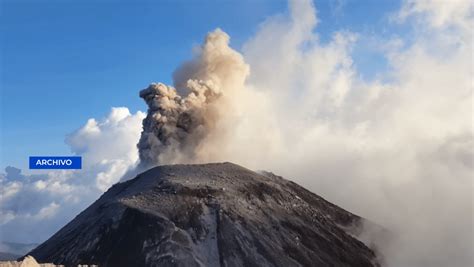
[218, 214]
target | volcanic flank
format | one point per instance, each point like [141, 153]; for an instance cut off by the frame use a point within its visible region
[208, 215]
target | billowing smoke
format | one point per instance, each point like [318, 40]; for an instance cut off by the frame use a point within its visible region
[177, 124]
[397, 149]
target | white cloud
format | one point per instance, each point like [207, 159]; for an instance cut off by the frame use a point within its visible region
[108, 147]
[397, 151]
[47, 212]
[439, 13]
[35, 206]
[6, 216]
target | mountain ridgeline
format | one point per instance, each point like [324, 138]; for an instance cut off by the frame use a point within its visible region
[216, 214]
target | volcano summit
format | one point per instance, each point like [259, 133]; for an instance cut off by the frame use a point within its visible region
[217, 214]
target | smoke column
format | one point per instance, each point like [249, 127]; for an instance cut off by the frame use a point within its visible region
[177, 124]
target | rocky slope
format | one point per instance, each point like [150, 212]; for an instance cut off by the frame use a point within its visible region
[208, 215]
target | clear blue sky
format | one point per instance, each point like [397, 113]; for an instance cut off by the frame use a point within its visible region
[63, 62]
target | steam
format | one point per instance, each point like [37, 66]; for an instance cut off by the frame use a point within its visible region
[397, 149]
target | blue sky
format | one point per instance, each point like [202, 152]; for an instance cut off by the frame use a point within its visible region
[63, 62]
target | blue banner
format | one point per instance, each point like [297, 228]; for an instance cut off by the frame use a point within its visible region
[56, 162]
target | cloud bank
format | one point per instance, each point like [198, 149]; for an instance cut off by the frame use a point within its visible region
[33, 207]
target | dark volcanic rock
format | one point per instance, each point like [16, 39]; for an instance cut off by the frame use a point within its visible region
[208, 215]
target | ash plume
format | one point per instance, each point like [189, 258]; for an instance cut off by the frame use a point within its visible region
[180, 118]
[396, 149]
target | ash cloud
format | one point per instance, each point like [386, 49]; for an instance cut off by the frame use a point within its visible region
[397, 149]
[181, 118]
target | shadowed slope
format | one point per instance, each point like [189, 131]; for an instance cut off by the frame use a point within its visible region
[208, 215]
